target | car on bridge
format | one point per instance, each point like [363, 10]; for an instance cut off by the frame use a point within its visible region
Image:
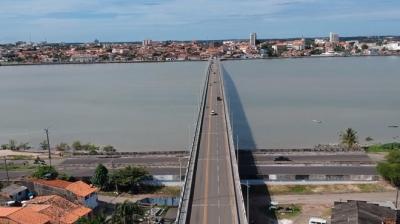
[213, 113]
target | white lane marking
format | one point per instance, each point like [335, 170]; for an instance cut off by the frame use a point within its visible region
[211, 205]
[219, 219]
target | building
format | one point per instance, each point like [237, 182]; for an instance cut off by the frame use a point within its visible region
[146, 42]
[15, 192]
[333, 37]
[51, 209]
[77, 192]
[361, 212]
[253, 39]
[22, 215]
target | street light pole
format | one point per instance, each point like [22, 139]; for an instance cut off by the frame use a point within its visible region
[180, 169]
[48, 143]
[248, 202]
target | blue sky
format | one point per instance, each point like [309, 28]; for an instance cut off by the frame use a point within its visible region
[130, 20]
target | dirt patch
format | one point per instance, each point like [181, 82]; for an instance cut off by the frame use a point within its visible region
[329, 188]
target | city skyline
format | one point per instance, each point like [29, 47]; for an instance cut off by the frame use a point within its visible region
[123, 20]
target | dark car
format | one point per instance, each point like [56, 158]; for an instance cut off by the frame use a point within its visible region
[282, 158]
[219, 98]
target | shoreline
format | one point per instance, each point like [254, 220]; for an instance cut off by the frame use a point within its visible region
[181, 61]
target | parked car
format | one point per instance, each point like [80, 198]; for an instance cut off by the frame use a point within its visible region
[282, 158]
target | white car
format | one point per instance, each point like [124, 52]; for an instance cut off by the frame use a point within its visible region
[213, 113]
[314, 220]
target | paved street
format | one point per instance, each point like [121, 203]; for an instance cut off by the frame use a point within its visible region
[213, 199]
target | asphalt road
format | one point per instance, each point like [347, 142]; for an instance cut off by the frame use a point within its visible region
[213, 198]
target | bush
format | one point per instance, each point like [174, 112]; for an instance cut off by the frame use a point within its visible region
[45, 172]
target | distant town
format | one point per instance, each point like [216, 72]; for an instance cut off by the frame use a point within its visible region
[159, 51]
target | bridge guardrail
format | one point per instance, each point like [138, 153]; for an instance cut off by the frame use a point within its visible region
[187, 190]
[241, 211]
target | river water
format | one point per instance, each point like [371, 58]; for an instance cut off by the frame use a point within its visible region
[152, 106]
[134, 107]
[279, 103]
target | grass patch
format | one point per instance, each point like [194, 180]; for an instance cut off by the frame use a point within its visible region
[168, 191]
[331, 188]
[288, 211]
[384, 147]
[19, 157]
[12, 167]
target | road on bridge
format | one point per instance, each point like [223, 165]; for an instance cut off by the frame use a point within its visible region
[214, 197]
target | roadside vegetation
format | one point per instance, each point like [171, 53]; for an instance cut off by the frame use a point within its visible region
[75, 147]
[329, 188]
[390, 169]
[388, 147]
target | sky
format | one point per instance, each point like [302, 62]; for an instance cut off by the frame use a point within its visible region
[135, 20]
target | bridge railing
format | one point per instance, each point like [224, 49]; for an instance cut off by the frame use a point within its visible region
[187, 188]
[241, 211]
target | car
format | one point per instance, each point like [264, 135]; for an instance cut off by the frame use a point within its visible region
[213, 113]
[282, 158]
[219, 98]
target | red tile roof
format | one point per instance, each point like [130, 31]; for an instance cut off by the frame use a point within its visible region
[79, 188]
[24, 215]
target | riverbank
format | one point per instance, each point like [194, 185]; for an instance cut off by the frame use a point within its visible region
[200, 60]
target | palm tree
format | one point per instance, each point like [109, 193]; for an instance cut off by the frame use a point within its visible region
[349, 138]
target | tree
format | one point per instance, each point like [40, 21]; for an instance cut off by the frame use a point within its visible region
[45, 172]
[98, 219]
[364, 47]
[368, 139]
[390, 170]
[4, 146]
[44, 145]
[129, 178]
[100, 177]
[62, 147]
[126, 213]
[349, 138]
[76, 145]
[12, 144]
[109, 148]
[24, 146]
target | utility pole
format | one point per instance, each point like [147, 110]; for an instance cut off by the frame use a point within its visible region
[180, 169]
[5, 166]
[397, 197]
[48, 143]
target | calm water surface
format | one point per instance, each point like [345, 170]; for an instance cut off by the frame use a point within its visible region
[134, 107]
[142, 107]
[274, 102]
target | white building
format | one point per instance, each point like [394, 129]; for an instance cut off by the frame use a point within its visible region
[394, 46]
[146, 42]
[333, 37]
[253, 39]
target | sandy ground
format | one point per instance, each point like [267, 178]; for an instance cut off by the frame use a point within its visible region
[17, 153]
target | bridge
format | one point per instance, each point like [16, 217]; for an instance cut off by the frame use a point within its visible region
[212, 192]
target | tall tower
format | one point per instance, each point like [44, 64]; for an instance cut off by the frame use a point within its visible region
[253, 39]
[333, 37]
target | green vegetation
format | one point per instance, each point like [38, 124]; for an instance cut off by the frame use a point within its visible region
[287, 211]
[45, 172]
[98, 219]
[384, 147]
[100, 177]
[390, 170]
[12, 166]
[129, 178]
[349, 138]
[63, 147]
[13, 145]
[126, 213]
[318, 189]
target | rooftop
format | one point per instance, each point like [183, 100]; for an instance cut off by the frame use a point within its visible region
[79, 188]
